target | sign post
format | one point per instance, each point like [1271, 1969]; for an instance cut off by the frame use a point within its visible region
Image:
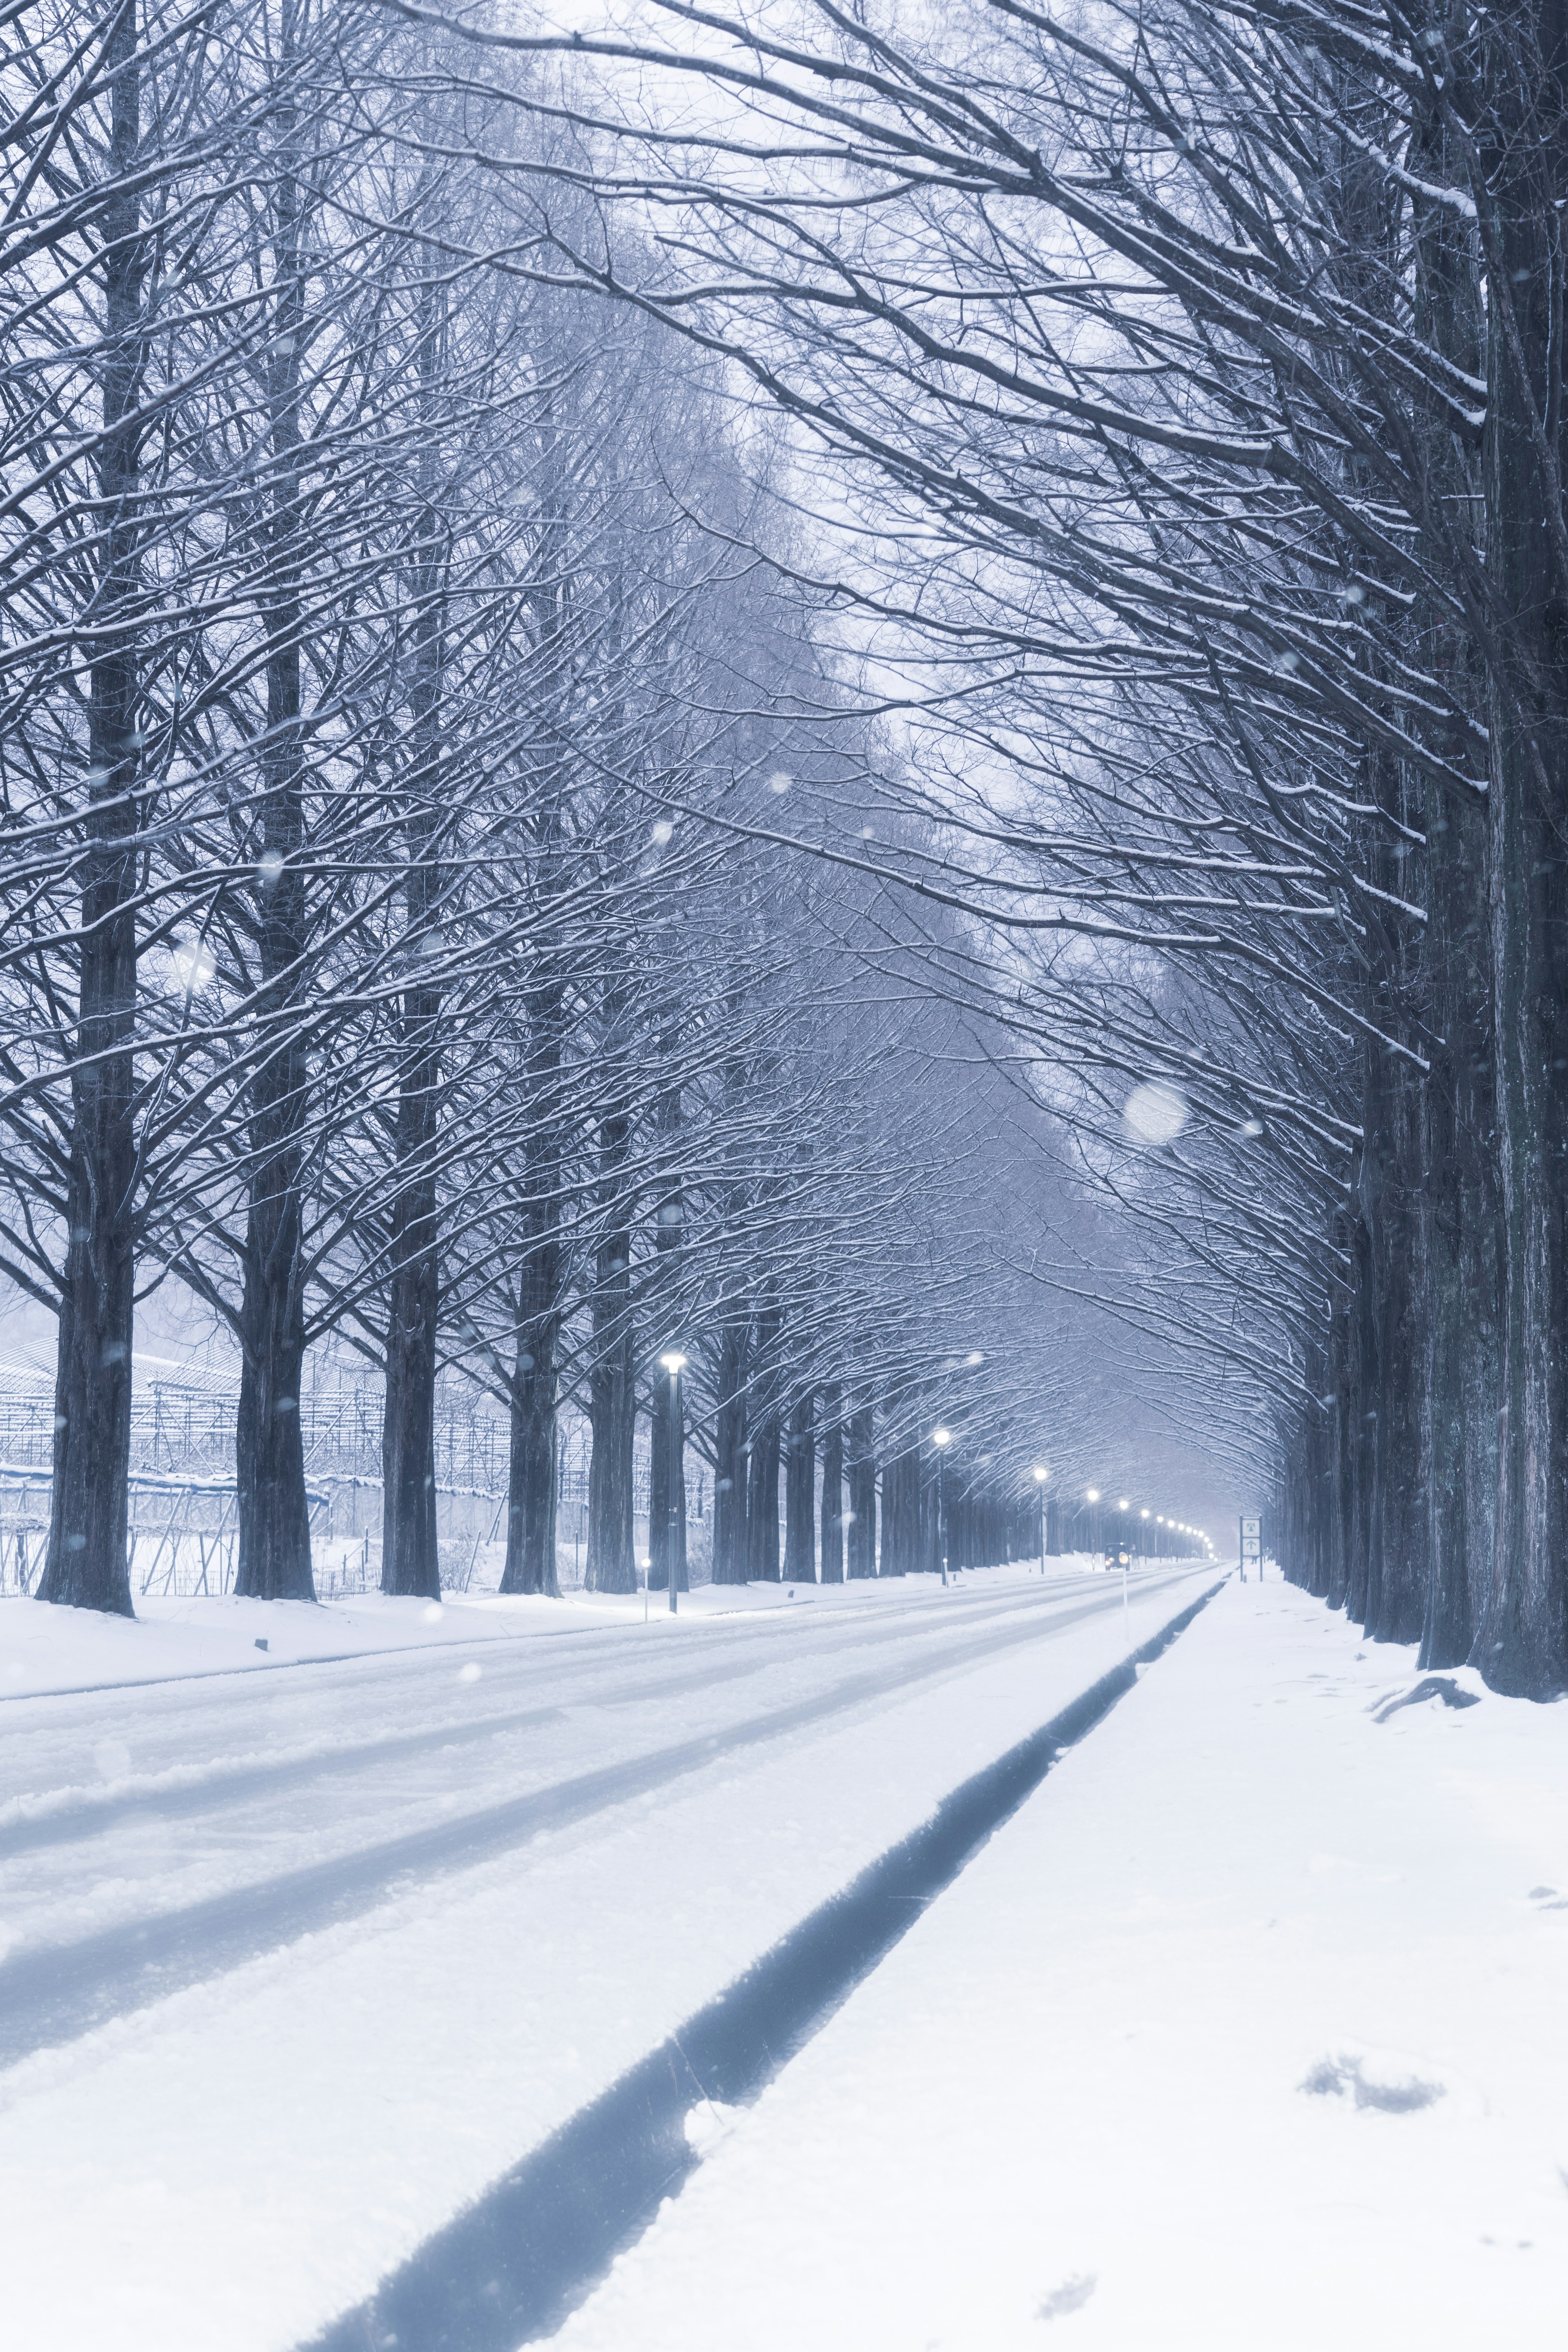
[1252, 1547]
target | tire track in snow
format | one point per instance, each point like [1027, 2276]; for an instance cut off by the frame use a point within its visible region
[506, 2272]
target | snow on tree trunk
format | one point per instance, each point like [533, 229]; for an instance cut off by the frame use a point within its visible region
[1521, 1637]
[86, 1565]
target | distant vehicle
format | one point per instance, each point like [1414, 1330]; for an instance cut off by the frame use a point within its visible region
[1117, 1555]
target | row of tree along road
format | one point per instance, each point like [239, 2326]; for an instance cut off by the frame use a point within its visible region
[1190, 377]
[460, 899]
[781, 683]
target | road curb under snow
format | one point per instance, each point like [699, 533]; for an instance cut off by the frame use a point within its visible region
[508, 2268]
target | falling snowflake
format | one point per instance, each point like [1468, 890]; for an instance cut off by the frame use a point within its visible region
[1156, 1112]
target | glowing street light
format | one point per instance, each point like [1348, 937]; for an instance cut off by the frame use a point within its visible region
[941, 1439]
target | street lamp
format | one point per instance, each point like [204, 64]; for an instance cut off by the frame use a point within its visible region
[1041, 1474]
[941, 1439]
[674, 1364]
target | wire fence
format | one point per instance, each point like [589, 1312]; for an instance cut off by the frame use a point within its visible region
[184, 1540]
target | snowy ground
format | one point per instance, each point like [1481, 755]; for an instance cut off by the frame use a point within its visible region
[299, 1956]
[1248, 2030]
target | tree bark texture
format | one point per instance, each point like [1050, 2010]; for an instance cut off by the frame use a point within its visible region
[667, 1467]
[730, 1452]
[800, 1497]
[410, 1551]
[763, 1561]
[532, 1479]
[1521, 1635]
[832, 1488]
[667, 1435]
[611, 1565]
[900, 1514]
[861, 1549]
[274, 1517]
[86, 1565]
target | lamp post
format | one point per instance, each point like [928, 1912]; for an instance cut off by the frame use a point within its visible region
[674, 1364]
[1041, 1474]
[941, 1439]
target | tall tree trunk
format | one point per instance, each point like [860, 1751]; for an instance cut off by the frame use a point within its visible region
[611, 1384]
[762, 1469]
[531, 1565]
[410, 1552]
[532, 1484]
[730, 1452]
[1457, 1227]
[1365, 1512]
[667, 1419]
[900, 1514]
[832, 1488]
[1396, 1581]
[666, 1452]
[800, 1498]
[1458, 1245]
[931, 1517]
[86, 1565]
[1304, 1446]
[763, 1503]
[273, 1509]
[1342, 1421]
[862, 1528]
[410, 1556]
[1521, 1639]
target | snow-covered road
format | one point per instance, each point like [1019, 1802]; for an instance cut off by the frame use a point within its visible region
[296, 1960]
[178, 1870]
